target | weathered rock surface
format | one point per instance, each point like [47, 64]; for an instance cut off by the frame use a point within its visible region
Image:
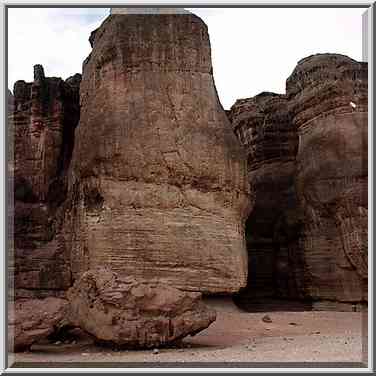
[43, 121]
[135, 313]
[158, 185]
[307, 158]
[32, 320]
[328, 98]
[263, 125]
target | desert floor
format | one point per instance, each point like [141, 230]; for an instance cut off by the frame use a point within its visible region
[235, 339]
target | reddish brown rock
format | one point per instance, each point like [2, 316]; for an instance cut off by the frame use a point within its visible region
[135, 313]
[328, 104]
[307, 162]
[43, 121]
[10, 100]
[32, 320]
[263, 126]
[158, 184]
[46, 113]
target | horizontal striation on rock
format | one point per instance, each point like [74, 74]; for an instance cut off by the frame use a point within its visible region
[158, 184]
[264, 127]
[328, 103]
[338, 79]
[307, 162]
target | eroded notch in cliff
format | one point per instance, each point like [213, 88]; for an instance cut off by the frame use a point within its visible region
[263, 126]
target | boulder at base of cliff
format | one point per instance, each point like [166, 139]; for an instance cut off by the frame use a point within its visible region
[32, 320]
[135, 313]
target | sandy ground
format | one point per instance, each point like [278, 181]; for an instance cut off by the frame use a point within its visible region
[236, 337]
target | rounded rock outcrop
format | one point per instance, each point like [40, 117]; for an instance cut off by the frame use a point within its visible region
[135, 313]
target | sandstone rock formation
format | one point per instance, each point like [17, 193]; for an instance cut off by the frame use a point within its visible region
[44, 118]
[263, 125]
[307, 158]
[32, 320]
[328, 99]
[154, 184]
[135, 313]
[158, 185]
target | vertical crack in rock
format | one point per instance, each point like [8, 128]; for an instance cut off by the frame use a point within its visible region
[276, 264]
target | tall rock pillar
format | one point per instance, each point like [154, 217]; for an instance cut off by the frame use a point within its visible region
[158, 183]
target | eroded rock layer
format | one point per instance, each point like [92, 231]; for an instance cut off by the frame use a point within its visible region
[158, 184]
[32, 320]
[130, 312]
[328, 104]
[45, 114]
[263, 125]
[307, 158]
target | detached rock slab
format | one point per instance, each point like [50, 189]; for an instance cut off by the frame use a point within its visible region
[135, 313]
[32, 320]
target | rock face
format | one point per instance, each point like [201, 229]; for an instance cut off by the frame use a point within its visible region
[307, 157]
[154, 184]
[158, 185]
[263, 125]
[10, 100]
[32, 320]
[328, 96]
[44, 118]
[135, 313]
